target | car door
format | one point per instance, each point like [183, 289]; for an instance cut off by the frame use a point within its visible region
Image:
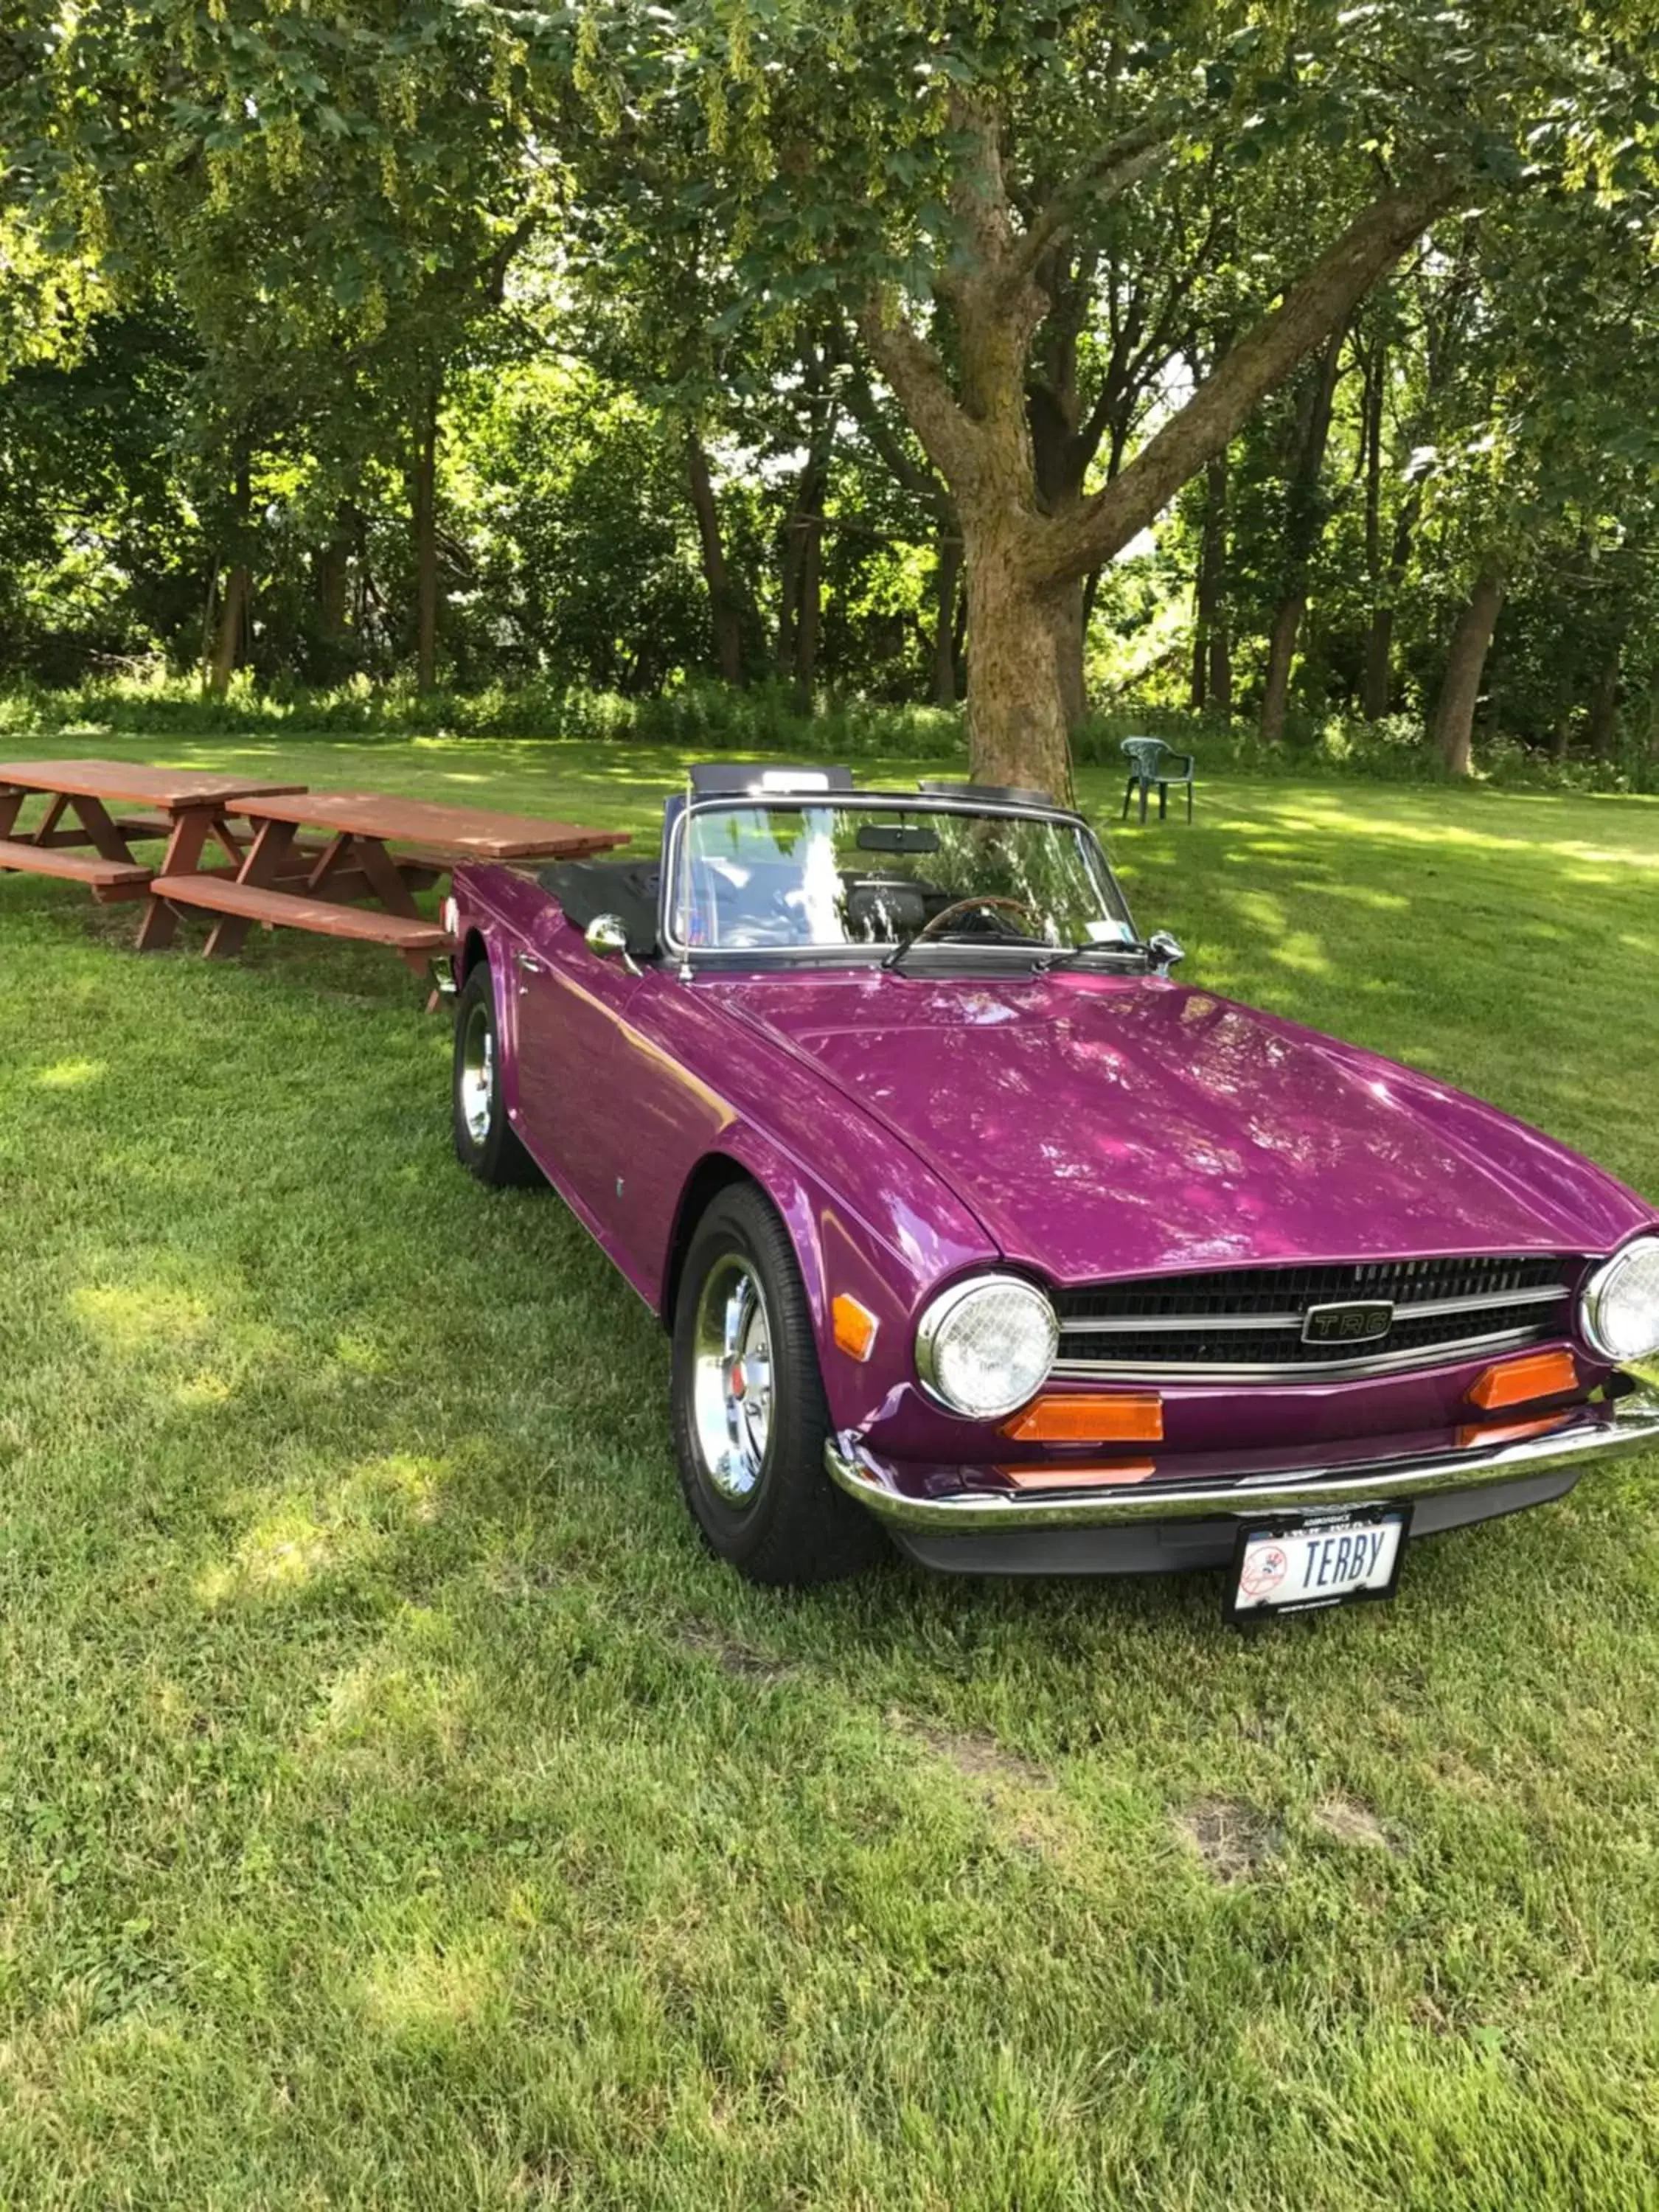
[574, 1047]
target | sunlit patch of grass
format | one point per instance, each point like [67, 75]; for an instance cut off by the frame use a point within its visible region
[206, 1387]
[72, 1074]
[1301, 950]
[131, 1317]
[285, 1551]
[425, 1999]
[399, 1808]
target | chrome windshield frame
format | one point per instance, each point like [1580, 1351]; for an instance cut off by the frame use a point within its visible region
[784, 956]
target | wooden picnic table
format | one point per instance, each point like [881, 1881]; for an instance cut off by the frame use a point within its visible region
[285, 884]
[188, 807]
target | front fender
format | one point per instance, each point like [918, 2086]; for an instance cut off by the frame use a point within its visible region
[838, 1255]
[495, 912]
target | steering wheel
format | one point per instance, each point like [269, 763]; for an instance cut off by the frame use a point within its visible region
[967, 906]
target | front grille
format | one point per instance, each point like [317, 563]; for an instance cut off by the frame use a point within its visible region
[1248, 1322]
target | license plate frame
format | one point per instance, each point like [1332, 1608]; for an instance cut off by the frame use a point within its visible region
[1240, 1606]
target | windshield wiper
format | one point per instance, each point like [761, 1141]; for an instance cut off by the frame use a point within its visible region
[1070, 956]
[968, 937]
[892, 959]
[1065, 956]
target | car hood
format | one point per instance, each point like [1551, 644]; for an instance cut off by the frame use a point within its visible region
[1128, 1125]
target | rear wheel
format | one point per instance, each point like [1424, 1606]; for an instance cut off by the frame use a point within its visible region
[750, 1421]
[485, 1140]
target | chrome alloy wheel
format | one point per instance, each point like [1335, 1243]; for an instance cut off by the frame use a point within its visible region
[477, 1083]
[732, 1378]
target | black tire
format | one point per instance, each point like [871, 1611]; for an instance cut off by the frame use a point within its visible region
[485, 1143]
[792, 1526]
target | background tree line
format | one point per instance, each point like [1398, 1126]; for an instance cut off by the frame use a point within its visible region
[1261, 358]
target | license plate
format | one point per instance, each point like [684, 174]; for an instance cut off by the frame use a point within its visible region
[1292, 1566]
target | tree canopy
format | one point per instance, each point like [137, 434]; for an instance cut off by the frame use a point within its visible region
[884, 344]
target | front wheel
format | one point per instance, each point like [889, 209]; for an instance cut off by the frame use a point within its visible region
[485, 1142]
[750, 1421]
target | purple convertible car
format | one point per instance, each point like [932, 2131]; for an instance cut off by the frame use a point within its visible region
[974, 1229]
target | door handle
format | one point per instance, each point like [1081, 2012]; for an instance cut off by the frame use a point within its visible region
[527, 965]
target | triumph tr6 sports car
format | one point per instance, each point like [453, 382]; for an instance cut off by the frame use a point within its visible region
[970, 1225]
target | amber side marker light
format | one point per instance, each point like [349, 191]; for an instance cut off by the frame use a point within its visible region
[1053, 1477]
[1518, 1381]
[1505, 1432]
[1107, 1418]
[855, 1327]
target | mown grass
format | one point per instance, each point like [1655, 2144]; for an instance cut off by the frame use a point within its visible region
[398, 1809]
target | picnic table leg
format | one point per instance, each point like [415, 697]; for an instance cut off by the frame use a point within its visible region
[334, 855]
[107, 841]
[262, 865]
[191, 826]
[388, 886]
[12, 806]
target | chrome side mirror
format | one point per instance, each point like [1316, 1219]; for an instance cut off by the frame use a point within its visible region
[1165, 951]
[607, 935]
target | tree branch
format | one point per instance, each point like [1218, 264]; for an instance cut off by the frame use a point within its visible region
[921, 384]
[1117, 169]
[1314, 307]
[909, 474]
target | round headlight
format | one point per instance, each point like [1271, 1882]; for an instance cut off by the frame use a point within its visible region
[1620, 1305]
[984, 1347]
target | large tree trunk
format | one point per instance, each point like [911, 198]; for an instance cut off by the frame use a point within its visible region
[1304, 526]
[947, 585]
[423, 490]
[1465, 661]
[233, 605]
[1017, 730]
[723, 607]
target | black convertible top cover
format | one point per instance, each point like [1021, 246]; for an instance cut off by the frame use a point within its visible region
[587, 889]
[727, 779]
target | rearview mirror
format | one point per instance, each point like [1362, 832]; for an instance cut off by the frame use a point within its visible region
[1165, 951]
[607, 935]
[897, 837]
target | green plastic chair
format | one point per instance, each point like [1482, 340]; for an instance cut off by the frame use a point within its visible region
[1151, 762]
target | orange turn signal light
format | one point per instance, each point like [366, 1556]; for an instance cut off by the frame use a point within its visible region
[1518, 1381]
[1505, 1432]
[1093, 1418]
[1059, 1477]
[855, 1327]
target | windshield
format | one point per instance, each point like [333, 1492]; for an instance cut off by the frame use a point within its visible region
[766, 876]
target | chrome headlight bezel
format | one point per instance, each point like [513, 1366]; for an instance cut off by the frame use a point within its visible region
[1595, 1301]
[950, 1309]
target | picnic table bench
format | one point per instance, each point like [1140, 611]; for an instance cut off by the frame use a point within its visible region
[80, 793]
[280, 883]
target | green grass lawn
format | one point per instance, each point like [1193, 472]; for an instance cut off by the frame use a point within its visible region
[399, 1809]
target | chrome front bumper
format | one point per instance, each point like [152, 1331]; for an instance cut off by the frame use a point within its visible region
[1634, 1427]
